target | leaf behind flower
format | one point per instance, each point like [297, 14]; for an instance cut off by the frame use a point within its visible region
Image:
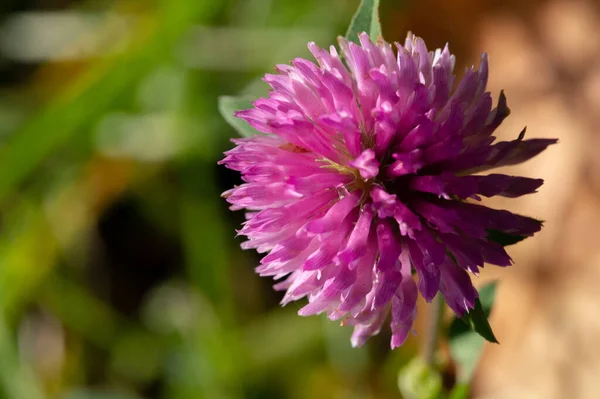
[366, 19]
[228, 105]
[468, 334]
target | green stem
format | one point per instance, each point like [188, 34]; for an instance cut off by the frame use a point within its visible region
[437, 314]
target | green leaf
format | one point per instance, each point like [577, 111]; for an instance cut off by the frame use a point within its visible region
[477, 318]
[418, 380]
[502, 238]
[467, 335]
[228, 105]
[460, 391]
[366, 19]
[487, 294]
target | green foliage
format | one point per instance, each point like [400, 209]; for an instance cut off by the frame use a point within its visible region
[228, 105]
[460, 391]
[418, 380]
[467, 336]
[366, 19]
[477, 320]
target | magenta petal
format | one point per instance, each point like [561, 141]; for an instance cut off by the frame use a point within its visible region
[429, 275]
[434, 251]
[440, 185]
[400, 333]
[407, 220]
[457, 288]
[467, 186]
[421, 135]
[446, 149]
[499, 154]
[388, 244]
[334, 215]
[502, 220]
[467, 256]
[406, 299]
[498, 114]
[514, 152]
[275, 219]
[298, 285]
[366, 164]
[357, 243]
[330, 292]
[403, 311]
[287, 249]
[494, 253]
[355, 299]
[444, 220]
[329, 247]
[362, 332]
[344, 123]
[506, 186]
[384, 131]
[385, 204]
[406, 163]
[386, 289]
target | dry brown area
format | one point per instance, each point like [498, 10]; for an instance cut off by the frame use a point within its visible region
[548, 308]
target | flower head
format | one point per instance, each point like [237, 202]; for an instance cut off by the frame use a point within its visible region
[367, 173]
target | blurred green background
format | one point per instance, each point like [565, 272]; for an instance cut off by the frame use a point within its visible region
[120, 273]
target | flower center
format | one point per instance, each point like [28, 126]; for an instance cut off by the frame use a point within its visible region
[358, 183]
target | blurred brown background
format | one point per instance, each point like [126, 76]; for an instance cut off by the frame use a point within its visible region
[120, 276]
[544, 55]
